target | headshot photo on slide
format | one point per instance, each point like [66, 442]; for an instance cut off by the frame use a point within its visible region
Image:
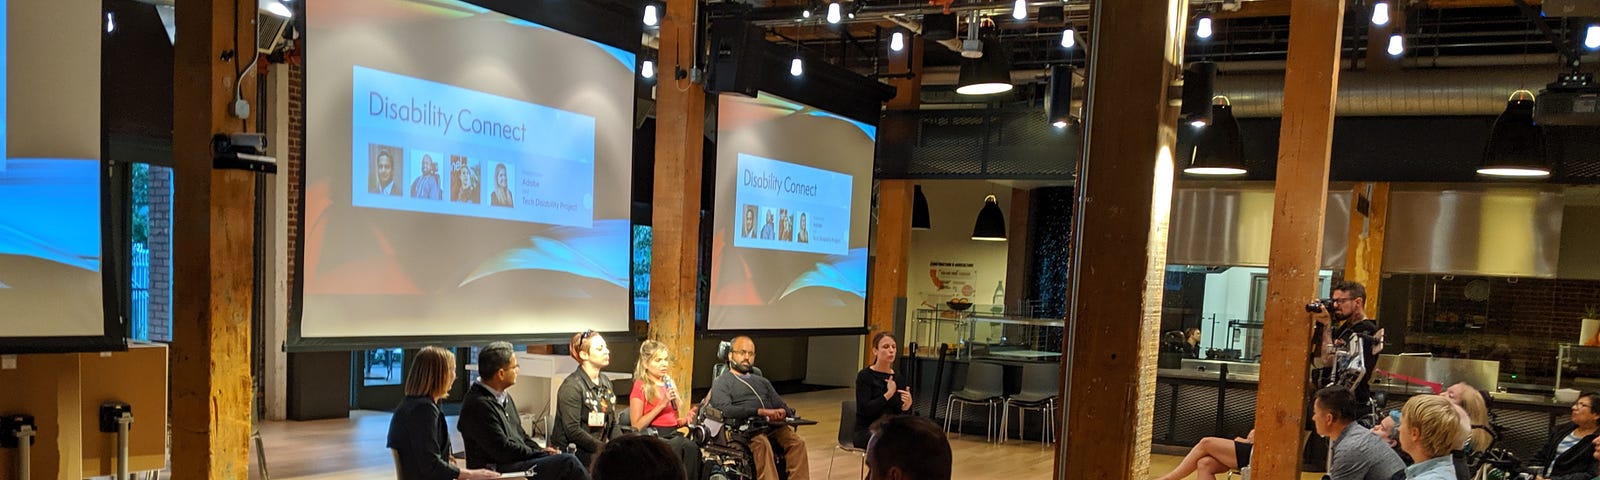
[805, 233]
[464, 183]
[785, 226]
[384, 167]
[769, 225]
[501, 197]
[425, 181]
[747, 224]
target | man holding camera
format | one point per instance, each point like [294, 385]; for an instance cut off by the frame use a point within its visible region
[1343, 335]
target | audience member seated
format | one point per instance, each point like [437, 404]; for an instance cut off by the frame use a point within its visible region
[637, 457]
[1356, 453]
[492, 431]
[585, 405]
[907, 447]
[878, 393]
[1213, 456]
[417, 432]
[1430, 428]
[1474, 410]
[740, 395]
[1569, 455]
[653, 405]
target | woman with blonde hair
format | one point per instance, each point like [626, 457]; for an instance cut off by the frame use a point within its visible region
[653, 405]
[1470, 399]
[417, 432]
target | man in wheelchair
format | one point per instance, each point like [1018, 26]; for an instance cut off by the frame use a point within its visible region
[752, 413]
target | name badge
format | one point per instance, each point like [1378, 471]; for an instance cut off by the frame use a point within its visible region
[597, 419]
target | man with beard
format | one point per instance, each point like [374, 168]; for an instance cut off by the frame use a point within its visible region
[740, 394]
[1337, 330]
[427, 184]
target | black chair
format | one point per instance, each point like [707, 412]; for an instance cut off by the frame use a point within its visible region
[847, 426]
[1040, 388]
[985, 386]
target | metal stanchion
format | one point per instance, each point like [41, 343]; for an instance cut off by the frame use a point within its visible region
[17, 431]
[117, 417]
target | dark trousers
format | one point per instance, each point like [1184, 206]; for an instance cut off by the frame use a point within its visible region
[685, 448]
[562, 466]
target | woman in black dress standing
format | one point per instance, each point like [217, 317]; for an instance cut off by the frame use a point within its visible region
[878, 392]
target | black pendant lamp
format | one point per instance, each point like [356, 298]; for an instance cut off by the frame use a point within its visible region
[986, 75]
[1218, 148]
[1516, 143]
[991, 226]
[919, 211]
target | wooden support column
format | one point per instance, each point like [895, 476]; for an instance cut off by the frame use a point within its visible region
[887, 293]
[1018, 255]
[1300, 203]
[214, 219]
[1363, 262]
[675, 233]
[1120, 251]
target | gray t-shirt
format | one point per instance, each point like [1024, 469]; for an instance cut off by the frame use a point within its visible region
[1358, 454]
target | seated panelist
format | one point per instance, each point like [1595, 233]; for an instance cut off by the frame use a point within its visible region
[740, 394]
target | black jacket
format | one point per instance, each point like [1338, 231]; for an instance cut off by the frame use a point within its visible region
[1577, 463]
[491, 432]
[418, 434]
[739, 397]
[574, 400]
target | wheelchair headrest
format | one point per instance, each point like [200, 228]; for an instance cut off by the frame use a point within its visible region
[723, 348]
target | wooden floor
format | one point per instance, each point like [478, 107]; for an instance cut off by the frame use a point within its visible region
[354, 448]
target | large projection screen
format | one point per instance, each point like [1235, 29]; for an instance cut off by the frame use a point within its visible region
[790, 236]
[51, 181]
[467, 176]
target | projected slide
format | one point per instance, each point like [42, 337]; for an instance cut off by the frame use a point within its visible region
[50, 247]
[784, 206]
[467, 174]
[507, 159]
[789, 245]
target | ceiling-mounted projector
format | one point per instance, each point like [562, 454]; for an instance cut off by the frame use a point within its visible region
[1573, 100]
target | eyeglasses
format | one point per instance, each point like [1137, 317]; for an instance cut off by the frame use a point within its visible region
[1337, 301]
[744, 352]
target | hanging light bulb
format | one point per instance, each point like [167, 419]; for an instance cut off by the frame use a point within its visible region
[1380, 13]
[1019, 11]
[796, 67]
[833, 12]
[111, 23]
[1203, 28]
[1397, 45]
[648, 70]
[1591, 38]
[1069, 37]
[897, 41]
[804, 14]
[650, 17]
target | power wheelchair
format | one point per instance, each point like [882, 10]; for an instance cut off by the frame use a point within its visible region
[725, 445]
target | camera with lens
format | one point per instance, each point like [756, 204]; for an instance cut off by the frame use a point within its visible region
[1320, 305]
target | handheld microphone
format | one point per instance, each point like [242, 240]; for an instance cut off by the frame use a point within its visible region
[672, 391]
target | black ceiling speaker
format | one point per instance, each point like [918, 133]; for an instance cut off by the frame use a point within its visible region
[736, 52]
[1058, 96]
[939, 26]
[1052, 15]
[1199, 82]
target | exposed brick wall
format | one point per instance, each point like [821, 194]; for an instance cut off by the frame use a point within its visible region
[159, 197]
[295, 167]
[1523, 320]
